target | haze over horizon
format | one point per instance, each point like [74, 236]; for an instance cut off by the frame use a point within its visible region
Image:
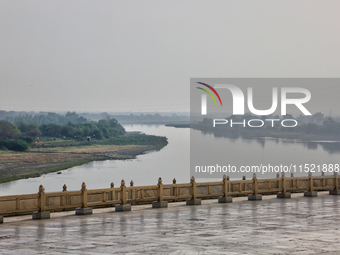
[139, 56]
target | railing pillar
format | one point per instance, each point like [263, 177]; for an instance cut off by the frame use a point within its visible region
[174, 190]
[113, 193]
[42, 213]
[225, 189]
[255, 187]
[335, 191]
[194, 200]
[160, 190]
[159, 203]
[122, 193]
[310, 182]
[323, 179]
[244, 184]
[292, 182]
[132, 192]
[123, 206]
[310, 192]
[83, 210]
[284, 193]
[230, 186]
[83, 195]
[41, 199]
[284, 185]
[193, 188]
[255, 196]
[63, 197]
[336, 181]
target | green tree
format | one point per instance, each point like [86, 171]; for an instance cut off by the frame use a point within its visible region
[8, 130]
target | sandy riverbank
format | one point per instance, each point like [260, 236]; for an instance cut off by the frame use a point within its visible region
[38, 161]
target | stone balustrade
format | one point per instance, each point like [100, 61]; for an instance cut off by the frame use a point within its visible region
[83, 200]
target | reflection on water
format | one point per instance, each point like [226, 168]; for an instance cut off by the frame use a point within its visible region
[173, 161]
[328, 146]
[312, 145]
[331, 147]
[243, 151]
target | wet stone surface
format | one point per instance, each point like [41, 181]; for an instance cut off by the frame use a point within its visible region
[300, 225]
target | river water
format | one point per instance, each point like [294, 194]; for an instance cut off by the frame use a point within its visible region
[173, 161]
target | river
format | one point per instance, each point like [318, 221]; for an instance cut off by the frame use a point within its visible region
[172, 161]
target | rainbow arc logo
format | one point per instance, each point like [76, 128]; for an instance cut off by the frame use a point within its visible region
[209, 93]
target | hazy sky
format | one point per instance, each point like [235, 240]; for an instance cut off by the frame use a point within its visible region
[140, 55]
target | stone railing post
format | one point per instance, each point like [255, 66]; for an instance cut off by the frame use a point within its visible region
[159, 203]
[193, 192]
[284, 193]
[244, 184]
[284, 185]
[113, 193]
[335, 191]
[323, 179]
[255, 187]
[41, 199]
[132, 193]
[310, 182]
[225, 186]
[292, 181]
[122, 193]
[229, 186]
[310, 192]
[255, 196]
[160, 190]
[336, 181]
[225, 190]
[83, 195]
[63, 197]
[174, 189]
[278, 179]
[123, 206]
[83, 210]
[42, 213]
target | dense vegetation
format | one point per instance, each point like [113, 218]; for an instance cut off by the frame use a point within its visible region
[102, 129]
[105, 131]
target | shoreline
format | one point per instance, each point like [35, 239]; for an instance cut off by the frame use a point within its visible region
[36, 162]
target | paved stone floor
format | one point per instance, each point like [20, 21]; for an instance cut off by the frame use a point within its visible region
[299, 225]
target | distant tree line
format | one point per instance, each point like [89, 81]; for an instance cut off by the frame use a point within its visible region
[18, 137]
[72, 117]
[40, 119]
